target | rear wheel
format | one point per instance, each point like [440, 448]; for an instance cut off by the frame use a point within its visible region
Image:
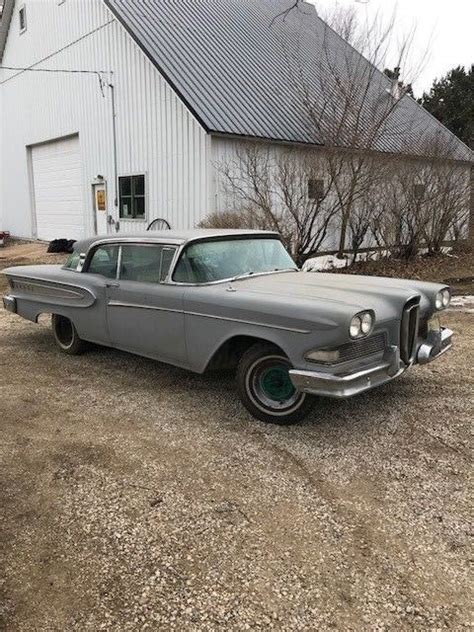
[65, 336]
[265, 387]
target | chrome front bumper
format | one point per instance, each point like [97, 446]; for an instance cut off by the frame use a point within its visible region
[344, 385]
[9, 303]
[436, 343]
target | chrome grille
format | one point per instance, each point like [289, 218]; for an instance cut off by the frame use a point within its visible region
[409, 330]
[360, 348]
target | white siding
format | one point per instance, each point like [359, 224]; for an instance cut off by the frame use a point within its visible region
[225, 153]
[156, 134]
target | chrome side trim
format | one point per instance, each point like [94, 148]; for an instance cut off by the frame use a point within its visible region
[198, 314]
[45, 289]
[137, 306]
[51, 292]
[47, 282]
[249, 322]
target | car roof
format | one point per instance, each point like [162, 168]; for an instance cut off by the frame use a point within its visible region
[178, 237]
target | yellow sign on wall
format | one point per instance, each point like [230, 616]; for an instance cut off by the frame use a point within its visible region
[101, 199]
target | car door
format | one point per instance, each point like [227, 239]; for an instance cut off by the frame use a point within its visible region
[100, 269]
[145, 315]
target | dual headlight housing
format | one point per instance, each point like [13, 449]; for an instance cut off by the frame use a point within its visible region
[361, 325]
[443, 299]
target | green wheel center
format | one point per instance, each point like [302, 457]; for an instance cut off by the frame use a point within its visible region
[276, 383]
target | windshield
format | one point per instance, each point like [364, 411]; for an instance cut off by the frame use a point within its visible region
[208, 261]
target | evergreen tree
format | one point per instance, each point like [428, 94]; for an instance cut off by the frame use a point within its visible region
[451, 101]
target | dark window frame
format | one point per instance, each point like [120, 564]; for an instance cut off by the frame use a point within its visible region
[316, 189]
[133, 196]
[22, 18]
[419, 191]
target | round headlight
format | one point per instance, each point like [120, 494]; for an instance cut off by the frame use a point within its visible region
[446, 297]
[355, 328]
[439, 300]
[366, 323]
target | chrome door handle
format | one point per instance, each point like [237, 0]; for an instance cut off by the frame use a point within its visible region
[112, 284]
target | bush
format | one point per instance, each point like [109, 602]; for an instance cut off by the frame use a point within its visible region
[229, 219]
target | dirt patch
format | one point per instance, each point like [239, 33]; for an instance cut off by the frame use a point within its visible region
[135, 494]
[24, 254]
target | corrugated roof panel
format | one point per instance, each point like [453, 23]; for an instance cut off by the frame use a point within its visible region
[237, 67]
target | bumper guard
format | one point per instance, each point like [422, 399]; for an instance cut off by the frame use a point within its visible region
[9, 303]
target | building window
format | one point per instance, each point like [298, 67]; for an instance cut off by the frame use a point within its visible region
[419, 192]
[22, 18]
[316, 190]
[132, 197]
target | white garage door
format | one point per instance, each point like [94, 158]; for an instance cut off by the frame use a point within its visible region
[58, 189]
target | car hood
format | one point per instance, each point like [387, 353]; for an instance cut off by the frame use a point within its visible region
[385, 296]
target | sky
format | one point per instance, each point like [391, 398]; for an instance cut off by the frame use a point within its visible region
[443, 30]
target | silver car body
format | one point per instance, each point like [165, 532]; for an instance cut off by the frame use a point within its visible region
[188, 325]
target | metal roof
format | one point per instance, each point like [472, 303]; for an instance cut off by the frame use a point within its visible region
[235, 64]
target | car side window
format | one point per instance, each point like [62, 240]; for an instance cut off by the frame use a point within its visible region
[73, 261]
[145, 263]
[104, 261]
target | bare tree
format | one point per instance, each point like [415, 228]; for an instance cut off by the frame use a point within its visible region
[282, 190]
[372, 189]
[352, 105]
[423, 203]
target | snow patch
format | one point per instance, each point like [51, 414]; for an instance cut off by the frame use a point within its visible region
[462, 303]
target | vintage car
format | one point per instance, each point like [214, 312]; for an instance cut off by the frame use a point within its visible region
[205, 300]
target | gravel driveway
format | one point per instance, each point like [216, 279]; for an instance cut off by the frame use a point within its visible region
[134, 495]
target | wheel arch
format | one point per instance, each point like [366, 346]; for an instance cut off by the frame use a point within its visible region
[229, 351]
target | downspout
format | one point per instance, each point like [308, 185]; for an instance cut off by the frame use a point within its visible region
[111, 219]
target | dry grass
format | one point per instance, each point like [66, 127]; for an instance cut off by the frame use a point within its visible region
[456, 269]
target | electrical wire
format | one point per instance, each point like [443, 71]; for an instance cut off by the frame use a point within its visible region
[29, 69]
[40, 61]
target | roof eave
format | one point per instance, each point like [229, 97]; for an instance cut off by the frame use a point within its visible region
[308, 145]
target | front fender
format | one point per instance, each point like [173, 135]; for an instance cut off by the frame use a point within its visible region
[206, 335]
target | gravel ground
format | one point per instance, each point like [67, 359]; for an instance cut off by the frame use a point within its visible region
[134, 495]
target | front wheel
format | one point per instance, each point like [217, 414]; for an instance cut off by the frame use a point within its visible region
[65, 336]
[265, 387]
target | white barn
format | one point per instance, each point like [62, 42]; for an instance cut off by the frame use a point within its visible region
[115, 112]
